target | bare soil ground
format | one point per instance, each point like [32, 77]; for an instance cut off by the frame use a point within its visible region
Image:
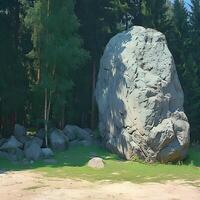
[27, 185]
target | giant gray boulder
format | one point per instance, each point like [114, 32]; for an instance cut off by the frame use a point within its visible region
[140, 99]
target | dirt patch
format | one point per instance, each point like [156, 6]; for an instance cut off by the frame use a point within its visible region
[25, 185]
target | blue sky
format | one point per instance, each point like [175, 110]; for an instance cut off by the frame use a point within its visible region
[187, 2]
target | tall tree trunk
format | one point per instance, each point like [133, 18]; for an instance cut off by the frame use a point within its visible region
[47, 108]
[62, 119]
[47, 99]
[1, 117]
[45, 116]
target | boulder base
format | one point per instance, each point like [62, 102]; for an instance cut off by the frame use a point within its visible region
[140, 98]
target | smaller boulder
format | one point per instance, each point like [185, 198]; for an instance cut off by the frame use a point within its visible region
[96, 163]
[23, 139]
[34, 140]
[70, 132]
[41, 134]
[38, 141]
[47, 153]
[19, 154]
[58, 141]
[2, 141]
[4, 154]
[13, 154]
[88, 130]
[19, 131]
[76, 133]
[12, 143]
[33, 151]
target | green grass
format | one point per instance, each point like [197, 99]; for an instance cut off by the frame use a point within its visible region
[73, 164]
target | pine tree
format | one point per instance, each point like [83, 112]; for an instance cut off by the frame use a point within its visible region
[180, 50]
[128, 12]
[193, 70]
[183, 42]
[180, 32]
[100, 20]
[155, 14]
[56, 54]
[135, 10]
[97, 19]
[12, 71]
[195, 28]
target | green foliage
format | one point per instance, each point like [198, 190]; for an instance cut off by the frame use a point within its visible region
[180, 37]
[12, 70]
[195, 28]
[44, 76]
[193, 71]
[56, 53]
[184, 45]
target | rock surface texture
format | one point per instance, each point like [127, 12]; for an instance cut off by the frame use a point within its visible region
[75, 133]
[140, 98]
[58, 141]
[96, 163]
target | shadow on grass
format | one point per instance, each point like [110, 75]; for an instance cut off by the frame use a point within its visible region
[75, 156]
[78, 156]
[193, 157]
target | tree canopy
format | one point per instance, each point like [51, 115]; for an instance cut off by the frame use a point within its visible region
[50, 52]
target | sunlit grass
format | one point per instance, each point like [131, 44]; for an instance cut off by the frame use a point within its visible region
[73, 164]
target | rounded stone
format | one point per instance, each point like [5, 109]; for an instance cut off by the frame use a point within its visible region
[96, 163]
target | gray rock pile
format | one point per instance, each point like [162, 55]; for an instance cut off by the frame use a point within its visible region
[23, 146]
[78, 136]
[140, 98]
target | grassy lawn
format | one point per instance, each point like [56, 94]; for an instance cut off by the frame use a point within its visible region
[73, 164]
